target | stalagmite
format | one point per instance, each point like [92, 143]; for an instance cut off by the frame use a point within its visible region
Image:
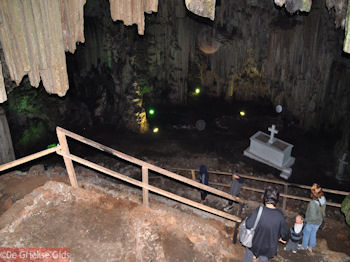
[132, 11]
[6, 149]
[205, 8]
[34, 35]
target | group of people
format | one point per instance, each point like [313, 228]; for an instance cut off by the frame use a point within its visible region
[272, 227]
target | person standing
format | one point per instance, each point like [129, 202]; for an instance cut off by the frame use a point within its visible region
[296, 234]
[235, 189]
[204, 179]
[271, 228]
[315, 212]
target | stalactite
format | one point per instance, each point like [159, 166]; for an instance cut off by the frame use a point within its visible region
[132, 11]
[34, 35]
[205, 8]
[72, 20]
[346, 47]
[294, 5]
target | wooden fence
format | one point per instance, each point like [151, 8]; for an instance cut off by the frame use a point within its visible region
[285, 185]
[63, 150]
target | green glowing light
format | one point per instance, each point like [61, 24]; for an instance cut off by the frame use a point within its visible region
[197, 90]
[155, 130]
[242, 113]
[52, 145]
[151, 111]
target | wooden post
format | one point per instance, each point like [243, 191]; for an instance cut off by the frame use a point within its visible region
[67, 161]
[193, 174]
[145, 190]
[285, 197]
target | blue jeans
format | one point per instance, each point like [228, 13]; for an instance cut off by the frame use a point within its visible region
[309, 235]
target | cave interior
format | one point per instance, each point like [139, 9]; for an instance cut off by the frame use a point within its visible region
[205, 78]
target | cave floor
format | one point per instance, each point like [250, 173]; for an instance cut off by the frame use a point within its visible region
[105, 221]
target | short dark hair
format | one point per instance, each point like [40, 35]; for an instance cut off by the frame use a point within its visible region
[271, 195]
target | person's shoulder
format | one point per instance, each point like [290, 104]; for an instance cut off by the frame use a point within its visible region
[275, 212]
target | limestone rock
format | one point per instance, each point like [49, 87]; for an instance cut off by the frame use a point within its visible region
[280, 2]
[132, 12]
[204, 8]
[34, 35]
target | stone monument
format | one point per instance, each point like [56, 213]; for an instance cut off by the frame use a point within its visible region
[271, 151]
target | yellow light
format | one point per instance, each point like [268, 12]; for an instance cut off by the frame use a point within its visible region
[155, 130]
[197, 91]
[242, 113]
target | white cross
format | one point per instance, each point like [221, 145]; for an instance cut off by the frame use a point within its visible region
[273, 131]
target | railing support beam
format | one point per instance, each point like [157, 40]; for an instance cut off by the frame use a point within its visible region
[144, 189]
[67, 161]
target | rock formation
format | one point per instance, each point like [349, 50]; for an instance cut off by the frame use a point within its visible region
[34, 35]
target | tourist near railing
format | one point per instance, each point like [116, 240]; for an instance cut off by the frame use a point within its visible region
[63, 150]
[284, 195]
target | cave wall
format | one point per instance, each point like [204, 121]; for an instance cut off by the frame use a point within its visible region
[253, 50]
[263, 52]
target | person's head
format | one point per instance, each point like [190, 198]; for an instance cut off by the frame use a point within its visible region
[299, 219]
[316, 191]
[271, 195]
[203, 169]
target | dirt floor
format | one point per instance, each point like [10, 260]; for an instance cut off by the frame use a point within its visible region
[104, 220]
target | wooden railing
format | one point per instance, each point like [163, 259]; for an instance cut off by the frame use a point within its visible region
[63, 150]
[31, 157]
[285, 185]
[145, 167]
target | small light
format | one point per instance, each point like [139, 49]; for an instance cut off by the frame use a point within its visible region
[197, 91]
[155, 130]
[242, 113]
[151, 111]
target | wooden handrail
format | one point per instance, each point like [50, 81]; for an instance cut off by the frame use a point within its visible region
[149, 166]
[148, 187]
[332, 191]
[29, 158]
[281, 194]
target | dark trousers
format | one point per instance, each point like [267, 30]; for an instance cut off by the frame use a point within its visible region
[203, 194]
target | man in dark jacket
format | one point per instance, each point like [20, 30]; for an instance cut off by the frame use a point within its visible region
[271, 227]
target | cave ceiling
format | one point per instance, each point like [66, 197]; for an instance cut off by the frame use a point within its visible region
[35, 34]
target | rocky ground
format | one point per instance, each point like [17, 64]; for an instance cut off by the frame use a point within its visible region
[104, 220]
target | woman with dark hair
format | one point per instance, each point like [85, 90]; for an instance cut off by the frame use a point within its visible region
[314, 216]
[271, 227]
